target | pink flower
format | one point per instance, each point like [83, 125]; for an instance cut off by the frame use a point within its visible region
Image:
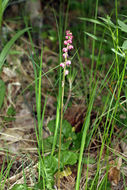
[69, 34]
[70, 47]
[65, 49]
[66, 72]
[67, 31]
[69, 41]
[65, 42]
[65, 55]
[62, 65]
[68, 62]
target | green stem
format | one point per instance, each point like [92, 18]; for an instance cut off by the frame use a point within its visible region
[59, 29]
[61, 120]
[117, 38]
[93, 50]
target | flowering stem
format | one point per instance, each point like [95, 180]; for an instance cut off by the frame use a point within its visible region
[61, 120]
[66, 63]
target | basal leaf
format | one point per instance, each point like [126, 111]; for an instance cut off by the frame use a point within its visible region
[68, 158]
[65, 145]
[48, 143]
[66, 129]
[51, 125]
[51, 164]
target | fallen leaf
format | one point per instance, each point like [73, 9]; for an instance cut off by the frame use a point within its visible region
[114, 172]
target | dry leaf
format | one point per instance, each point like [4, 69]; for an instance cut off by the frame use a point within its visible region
[65, 173]
[114, 172]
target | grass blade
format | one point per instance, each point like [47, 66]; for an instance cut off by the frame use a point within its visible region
[7, 47]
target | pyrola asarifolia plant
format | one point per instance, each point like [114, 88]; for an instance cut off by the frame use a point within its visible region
[66, 63]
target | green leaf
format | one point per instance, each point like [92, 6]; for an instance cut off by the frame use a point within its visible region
[38, 185]
[68, 158]
[65, 145]
[90, 161]
[10, 113]
[52, 35]
[51, 164]
[20, 187]
[124, 46]
[122, 25]
[77, 141]
[2, 92]
[7, 47]
[93, 21]
[108, 21]
[96, 38]
[118, 53]
[4, 5]
[51, 125]
[66, 129]
[47, 142]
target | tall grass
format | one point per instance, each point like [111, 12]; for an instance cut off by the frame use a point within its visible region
[112, 103]
[85, 129]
